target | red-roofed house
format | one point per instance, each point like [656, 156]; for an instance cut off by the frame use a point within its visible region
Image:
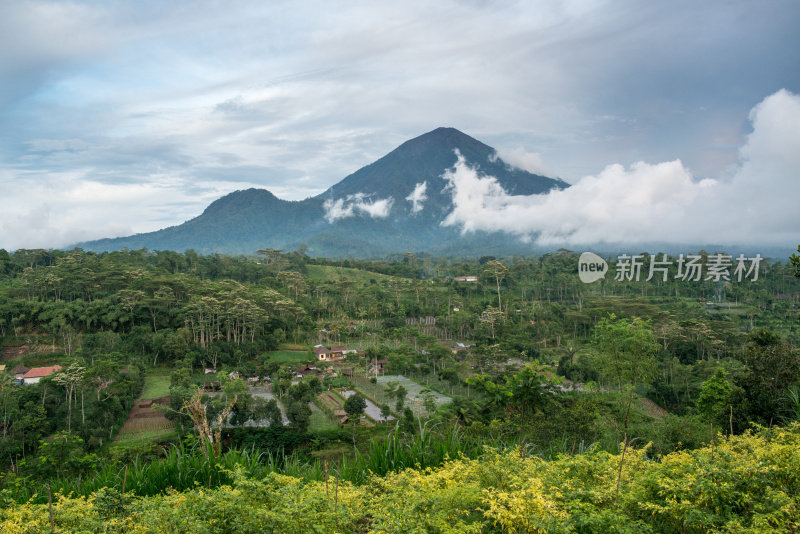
[37, 373]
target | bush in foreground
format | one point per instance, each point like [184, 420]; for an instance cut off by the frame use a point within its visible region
[744, 484]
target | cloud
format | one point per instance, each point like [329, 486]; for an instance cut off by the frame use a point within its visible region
[519, 158]
[663, 202]
[417, 197]
[36, 228]
[131, 92]
[352, 205]
[73, 208]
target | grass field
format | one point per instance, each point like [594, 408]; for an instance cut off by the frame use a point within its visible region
[155, 387]
[290, 356]
[319, 421]
[145, 437]
[293, 346]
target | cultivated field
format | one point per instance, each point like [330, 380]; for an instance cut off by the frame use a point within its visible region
[331, 400]
[320, 421]
[155, 387]
[414, 398]
[145, 424]
[371, 410]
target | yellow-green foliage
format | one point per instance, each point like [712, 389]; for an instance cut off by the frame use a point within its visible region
[747, 484]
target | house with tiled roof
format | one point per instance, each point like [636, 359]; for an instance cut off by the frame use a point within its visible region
[37, 373]
[329, 355]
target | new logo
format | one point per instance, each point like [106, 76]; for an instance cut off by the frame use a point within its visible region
[591, 267]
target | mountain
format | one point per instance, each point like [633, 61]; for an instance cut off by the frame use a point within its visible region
[366, 214]
[423, 160]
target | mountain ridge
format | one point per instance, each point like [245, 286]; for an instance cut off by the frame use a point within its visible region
[367, 213]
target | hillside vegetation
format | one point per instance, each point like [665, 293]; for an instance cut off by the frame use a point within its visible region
[743, 484]
[174, 392]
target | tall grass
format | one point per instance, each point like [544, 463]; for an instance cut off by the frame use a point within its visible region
[185, 467]
[426, 449]
[181, 468]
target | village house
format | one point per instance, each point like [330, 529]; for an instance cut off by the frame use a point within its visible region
[330, 355]
[37, 373]
[308, 370]
[469, 278]
[341, 350]
[323, 354]
[460, 348]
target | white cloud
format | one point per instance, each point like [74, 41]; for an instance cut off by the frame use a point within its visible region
[352, 205]
[72, 208]
[418, 196]
[660, 202]
[519, 158]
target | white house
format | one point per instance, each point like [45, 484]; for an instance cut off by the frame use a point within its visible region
[37, 373]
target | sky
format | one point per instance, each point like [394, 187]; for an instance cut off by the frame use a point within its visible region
[119, 117]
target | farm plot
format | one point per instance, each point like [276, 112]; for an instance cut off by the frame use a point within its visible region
[145, 423]
[331, 400]
[155, 387]
[372, 410]
[416, 392]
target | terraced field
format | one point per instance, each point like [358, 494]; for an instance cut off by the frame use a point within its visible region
[331, 400]
[329, 273]
[145, 422]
